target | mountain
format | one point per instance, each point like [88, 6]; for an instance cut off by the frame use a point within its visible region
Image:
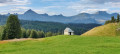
[3, 19]
[102, 13]
[30, 12]
[99, 17]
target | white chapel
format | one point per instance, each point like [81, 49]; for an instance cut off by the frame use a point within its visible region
[68, 31]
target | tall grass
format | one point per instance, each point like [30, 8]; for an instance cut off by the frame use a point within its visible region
[105, 30]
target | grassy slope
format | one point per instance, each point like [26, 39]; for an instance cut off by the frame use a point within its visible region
[105, 30]
[64, 45]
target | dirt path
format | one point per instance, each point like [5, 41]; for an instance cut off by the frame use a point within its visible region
[13, 40]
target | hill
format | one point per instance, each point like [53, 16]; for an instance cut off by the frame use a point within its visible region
[63, 45]
[104, 30]
[98, 17]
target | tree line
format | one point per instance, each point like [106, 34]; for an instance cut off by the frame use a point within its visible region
[113, 19]
[13, 29]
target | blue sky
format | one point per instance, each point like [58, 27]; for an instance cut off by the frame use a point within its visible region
[55, 7]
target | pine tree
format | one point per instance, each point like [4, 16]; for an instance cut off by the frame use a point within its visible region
[49, 34]
[4, 37]
[33, 34]
[13, 28]
[28, 32]
[112, 19]
[118, 18]
[24, 33]
[41, 34]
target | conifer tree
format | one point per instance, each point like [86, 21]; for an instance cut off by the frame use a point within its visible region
[24, 33]
[4, 37]
[13, 28]
[118, 18]
[41, 34]
[33, 34]
[28, 32]
[112, 19]
[49, 34]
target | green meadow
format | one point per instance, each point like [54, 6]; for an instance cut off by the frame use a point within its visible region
[64, 45]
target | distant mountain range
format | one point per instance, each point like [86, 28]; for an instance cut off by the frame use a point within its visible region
[99, 17]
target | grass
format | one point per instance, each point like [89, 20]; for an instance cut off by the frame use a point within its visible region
[105, 30]
[64, 45]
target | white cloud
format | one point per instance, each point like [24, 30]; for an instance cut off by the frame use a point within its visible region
[83, 7]
[48, 7]
[14, 9]
[100, 1]
[113, 4]
[56, 0]
[48, 0]
[66, 7]
[13, 2]
[2, 4]
[40, 11]
[93, 10]
[43, 11]
[89, 7]
[23, 7]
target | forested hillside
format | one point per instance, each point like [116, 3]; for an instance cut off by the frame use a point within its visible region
[53, 27]
[57, 27]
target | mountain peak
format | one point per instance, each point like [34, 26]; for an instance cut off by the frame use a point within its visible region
[30, 11]
[83, 14]
[60, 15]
[101, 12]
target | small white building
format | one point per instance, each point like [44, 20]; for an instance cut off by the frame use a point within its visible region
[68, 31]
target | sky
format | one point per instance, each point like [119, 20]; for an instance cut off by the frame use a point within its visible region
[56, 7]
